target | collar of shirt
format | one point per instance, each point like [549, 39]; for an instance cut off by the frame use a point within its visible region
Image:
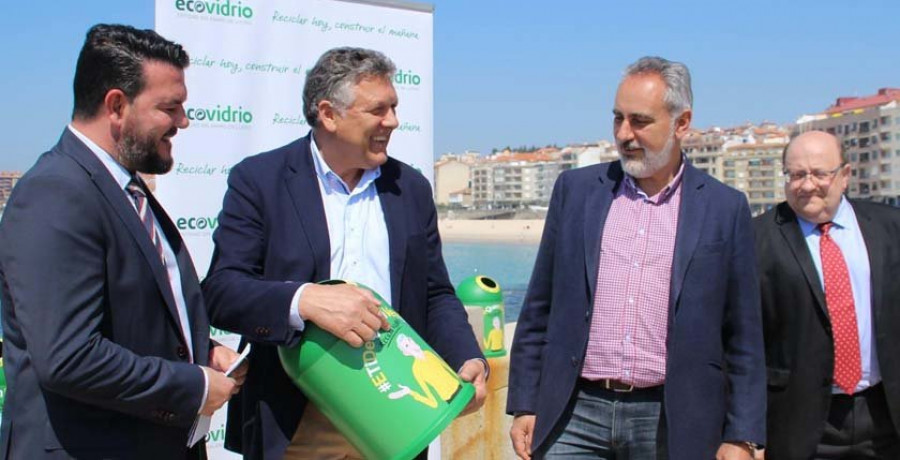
[843, 219]
[332, 182]
[119, 173]
[665, 193]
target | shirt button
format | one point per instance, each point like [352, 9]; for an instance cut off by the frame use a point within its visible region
[637, 264]
[641, 231]
[627, 372]
[628, 337]
[631, 300]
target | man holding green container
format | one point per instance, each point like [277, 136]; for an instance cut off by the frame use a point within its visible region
[331, 205]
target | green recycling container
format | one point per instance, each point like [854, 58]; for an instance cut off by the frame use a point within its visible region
[483, 292]
[390, 398]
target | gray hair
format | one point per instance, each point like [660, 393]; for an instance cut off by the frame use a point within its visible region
[335, 74]
[679, 96]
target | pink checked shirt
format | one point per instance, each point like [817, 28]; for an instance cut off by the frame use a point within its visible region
[631, 306]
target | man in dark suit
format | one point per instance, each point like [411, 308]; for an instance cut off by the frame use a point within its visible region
[107, 351]
[829, 312]
[329, 205]
[640, 334]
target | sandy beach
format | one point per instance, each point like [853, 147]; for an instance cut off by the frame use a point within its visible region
[513, 231]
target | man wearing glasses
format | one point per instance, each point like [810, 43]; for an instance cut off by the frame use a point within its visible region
[830, 315]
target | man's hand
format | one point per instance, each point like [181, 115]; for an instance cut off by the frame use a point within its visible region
[221, 358]
[221, 389]
[521, 434]
[734, 451]
[474, 371]
[348, 312]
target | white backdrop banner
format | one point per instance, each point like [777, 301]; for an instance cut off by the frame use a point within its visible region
[249, 59]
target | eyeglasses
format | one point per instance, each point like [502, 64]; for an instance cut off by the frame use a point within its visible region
[817, 177]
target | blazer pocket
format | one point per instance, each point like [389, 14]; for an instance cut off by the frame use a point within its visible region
[715, 247]
[777, 378]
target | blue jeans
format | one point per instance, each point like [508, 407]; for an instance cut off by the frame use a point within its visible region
[610, 425]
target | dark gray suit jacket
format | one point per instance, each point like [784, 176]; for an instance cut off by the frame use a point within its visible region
[799, 346]
[95, 361]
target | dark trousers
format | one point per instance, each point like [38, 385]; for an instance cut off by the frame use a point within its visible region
[859, 427]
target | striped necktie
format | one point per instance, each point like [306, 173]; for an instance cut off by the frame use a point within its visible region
[146, 215]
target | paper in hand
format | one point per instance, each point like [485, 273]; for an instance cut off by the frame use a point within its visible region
[201, 424]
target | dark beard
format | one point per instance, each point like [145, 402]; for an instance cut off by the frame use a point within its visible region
[141, 155]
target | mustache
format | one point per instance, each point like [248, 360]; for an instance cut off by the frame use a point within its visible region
[631, 145]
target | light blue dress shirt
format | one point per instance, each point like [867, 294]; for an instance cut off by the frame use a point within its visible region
[123, 177]
[847, 236]
[357, 232]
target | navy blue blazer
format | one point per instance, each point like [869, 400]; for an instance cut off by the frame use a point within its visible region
[95, 361]
[272, 237]
[715, 372]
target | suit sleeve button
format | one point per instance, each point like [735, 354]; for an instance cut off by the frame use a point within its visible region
[575, 361]
[181, 352]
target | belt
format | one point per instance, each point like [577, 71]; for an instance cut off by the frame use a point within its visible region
[615, 385]
[868, 391]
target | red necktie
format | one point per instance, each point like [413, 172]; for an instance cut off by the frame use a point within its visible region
[839, 299]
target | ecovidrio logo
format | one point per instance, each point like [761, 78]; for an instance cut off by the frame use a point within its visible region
[197, 223]
[215, 8]
[228, 114]
[407, 78]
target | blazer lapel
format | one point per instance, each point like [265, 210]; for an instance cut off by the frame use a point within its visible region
[392, 206]
[793, 236]
[118, 201]
[303, 188]
[596, 208]
[691, 213]
[190, 285]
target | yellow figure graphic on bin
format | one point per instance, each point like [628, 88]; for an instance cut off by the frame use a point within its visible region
[431, 373]
[494, 340]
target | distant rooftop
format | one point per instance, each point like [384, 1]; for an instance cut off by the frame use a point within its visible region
[884, 96]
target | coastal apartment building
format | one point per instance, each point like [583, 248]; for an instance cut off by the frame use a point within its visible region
[519, 179]
[8, 180]
[452, 175]
[869, 128]
[755, 169]
[746, 157]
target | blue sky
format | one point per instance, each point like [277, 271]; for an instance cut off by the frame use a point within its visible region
[529, 72]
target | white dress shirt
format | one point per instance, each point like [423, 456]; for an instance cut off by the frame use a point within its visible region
[357, 232]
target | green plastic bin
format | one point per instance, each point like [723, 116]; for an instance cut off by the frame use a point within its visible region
[389, 398]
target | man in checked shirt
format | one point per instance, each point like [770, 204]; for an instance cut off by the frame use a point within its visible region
[640, 336]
